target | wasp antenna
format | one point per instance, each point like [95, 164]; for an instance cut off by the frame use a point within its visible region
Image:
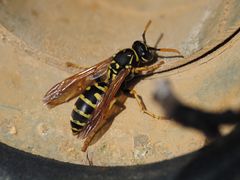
[145, 30]
[158, 40]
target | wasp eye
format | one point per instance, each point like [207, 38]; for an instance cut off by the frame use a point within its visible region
[142, 50]
[147, 56]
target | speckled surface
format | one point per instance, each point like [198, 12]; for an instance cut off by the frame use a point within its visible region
[38, 38]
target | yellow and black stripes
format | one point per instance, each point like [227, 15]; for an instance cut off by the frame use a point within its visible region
[136, 56]
[85, 106]
[87, 102]
[113, 70]
[126, 58]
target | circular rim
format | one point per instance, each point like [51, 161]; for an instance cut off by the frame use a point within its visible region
[17, 164]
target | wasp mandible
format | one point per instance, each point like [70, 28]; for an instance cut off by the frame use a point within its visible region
[98, 85]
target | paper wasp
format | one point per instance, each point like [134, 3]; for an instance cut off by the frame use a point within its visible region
[98, 86]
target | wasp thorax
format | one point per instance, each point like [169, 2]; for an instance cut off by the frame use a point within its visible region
[143, 52]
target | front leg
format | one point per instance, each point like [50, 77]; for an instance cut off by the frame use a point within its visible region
[147, 69]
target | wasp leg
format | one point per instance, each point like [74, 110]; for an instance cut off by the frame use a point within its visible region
[75, 66]
[142, 105]
[90, 162]
[147, 69]
[169, 50]
[176, 56]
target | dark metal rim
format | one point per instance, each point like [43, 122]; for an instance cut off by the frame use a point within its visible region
[17, 164]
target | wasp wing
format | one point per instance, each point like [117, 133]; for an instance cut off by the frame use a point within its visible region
[99, 116]
[74, 85]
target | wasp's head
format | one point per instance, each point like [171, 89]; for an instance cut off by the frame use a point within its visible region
[144, 53]
[147, 54]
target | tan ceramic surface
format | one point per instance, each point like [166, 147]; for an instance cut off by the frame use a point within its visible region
[37, 38]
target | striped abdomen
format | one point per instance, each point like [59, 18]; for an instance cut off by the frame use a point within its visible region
[85, 106]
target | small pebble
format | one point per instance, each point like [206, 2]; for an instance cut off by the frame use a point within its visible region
[42, 129]
[13, 130]
[141, 146]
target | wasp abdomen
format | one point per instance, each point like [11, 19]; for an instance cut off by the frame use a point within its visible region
[85, 105]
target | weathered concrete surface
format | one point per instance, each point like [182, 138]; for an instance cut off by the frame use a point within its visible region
[38, 38]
